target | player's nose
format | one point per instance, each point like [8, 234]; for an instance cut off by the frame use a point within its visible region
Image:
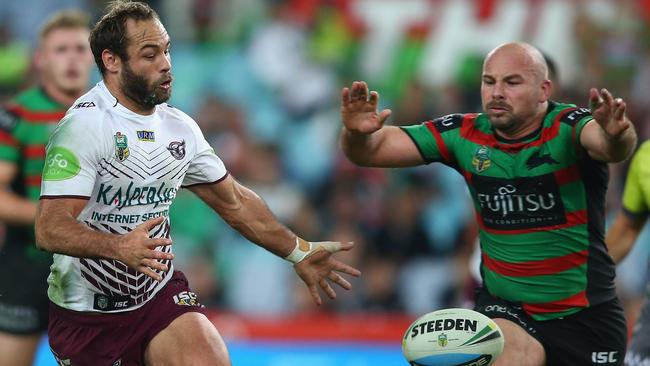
[166, 64]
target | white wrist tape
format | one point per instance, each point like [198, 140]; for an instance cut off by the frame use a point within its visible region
[305, 248]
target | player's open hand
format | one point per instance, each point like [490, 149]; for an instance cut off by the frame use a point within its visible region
[608, 112]
[137, 249]
[320, 266]
[359, 109]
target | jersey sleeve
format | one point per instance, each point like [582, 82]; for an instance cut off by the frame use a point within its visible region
[72, 157]
[205, 166]
[436, 139]
[636, 196]
[576, 119]
[582, 122]
[9, 147]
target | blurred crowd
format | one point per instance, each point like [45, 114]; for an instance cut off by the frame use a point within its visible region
[262, 78]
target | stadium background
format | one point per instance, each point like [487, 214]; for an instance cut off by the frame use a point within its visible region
[262, 78]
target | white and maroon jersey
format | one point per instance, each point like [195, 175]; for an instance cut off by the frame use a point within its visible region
[129, 167]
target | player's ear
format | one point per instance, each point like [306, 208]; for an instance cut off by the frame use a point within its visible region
[111, 61]
[546, 90]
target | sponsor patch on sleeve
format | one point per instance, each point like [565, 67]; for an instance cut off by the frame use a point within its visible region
[60, 164]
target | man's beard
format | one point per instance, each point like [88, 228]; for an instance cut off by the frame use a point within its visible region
[138, 89]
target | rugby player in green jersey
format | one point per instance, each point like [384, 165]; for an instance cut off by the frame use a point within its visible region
[537, 173]
[622, 235]
[63, 61]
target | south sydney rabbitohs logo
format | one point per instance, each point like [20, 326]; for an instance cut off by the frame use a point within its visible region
[177, 149]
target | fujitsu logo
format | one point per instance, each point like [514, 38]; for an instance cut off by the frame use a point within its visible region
[520, 203]
[507, 201]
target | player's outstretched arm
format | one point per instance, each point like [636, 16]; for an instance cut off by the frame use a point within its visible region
[622, 235]
[610, 137]
[364, 138]
[246, 212]
[58, 231]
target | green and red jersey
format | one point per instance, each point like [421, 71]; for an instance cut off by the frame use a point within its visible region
[26, 123]
[540, 205]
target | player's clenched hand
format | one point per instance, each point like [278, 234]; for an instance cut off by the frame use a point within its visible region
[608, 112]
[359, 109]
[136, 249]
[319, 266]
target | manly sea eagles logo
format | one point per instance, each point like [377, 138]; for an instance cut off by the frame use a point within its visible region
[121, 146]
[177, 149]
[481, 159]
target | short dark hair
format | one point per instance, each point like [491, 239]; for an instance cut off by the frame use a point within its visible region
[110, 31]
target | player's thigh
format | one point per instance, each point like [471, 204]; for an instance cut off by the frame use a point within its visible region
[520, 348]
[191, 339]
[18, 350]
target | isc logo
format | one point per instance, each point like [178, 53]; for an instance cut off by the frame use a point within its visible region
[603, 357]
[186, 298]
[121, 304]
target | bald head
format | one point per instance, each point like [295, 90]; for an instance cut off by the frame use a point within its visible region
[515, 88]
[526, 57]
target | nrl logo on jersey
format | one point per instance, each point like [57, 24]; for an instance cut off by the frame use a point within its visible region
[121, 146]
[481, 160]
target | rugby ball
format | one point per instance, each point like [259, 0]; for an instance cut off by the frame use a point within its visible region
[452, 337]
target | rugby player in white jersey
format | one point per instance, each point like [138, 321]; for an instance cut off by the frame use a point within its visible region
[112, 169]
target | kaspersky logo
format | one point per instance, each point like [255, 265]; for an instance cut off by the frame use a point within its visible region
[135, 196]
[60, 164]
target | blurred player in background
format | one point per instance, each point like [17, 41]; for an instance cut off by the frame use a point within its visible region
[113, 168]
[622, 235]
[63, 61]
[537, 173]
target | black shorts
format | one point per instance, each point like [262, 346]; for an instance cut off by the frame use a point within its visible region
[23, 290]
[594, 336]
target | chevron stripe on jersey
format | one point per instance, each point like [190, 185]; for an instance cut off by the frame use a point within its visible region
[114, 278]
[129, 167]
